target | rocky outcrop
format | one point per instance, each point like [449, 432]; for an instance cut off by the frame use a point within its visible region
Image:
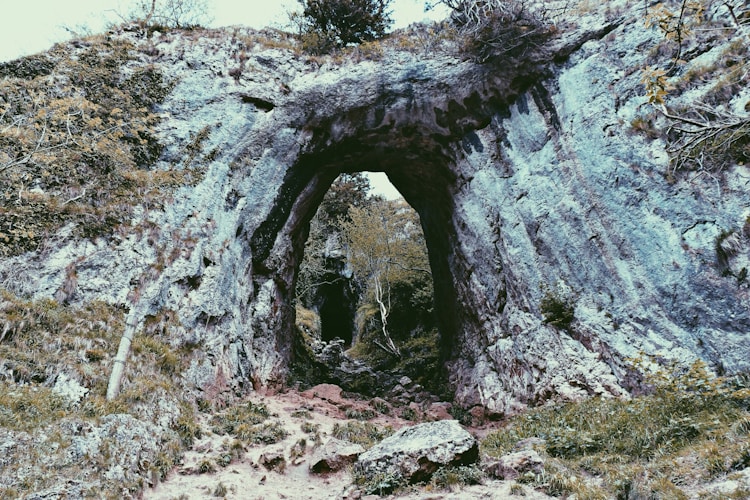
[414, 453]
[130, 446]
[524, 172]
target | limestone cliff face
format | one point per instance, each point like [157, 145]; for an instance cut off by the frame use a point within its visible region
[527, 179]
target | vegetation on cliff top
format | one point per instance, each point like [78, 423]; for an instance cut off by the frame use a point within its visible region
[328, 24]
[77, 142]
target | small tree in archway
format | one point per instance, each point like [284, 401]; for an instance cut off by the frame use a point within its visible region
[382, 250]
[387, 252]
[349, 190]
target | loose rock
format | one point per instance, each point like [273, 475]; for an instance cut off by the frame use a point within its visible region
[335, 455]
[516, 464]
[414, 453]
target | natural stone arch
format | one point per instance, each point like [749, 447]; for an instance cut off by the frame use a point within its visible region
[522, 171]
[418, 139]
[431, 125]
[425, 184]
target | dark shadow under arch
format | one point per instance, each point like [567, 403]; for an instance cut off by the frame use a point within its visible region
[420, 165]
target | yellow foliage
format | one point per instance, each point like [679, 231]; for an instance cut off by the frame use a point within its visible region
[676, 24]
[657, 86]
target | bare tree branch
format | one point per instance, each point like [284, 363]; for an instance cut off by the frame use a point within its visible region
[705, 144]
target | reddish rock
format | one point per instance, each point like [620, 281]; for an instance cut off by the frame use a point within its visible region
[439, 411]
[327, 392]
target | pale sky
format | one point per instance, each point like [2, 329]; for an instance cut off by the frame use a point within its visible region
[31, 26]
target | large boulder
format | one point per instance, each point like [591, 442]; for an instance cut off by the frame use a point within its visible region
[335, 455]
[414, 453]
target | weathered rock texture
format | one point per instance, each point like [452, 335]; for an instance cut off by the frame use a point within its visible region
[334, 456]
[515, 464]
[524, 173]
[414, 453]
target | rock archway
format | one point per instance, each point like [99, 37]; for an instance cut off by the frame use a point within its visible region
[425, 184]
[523, 173]
[510, 167]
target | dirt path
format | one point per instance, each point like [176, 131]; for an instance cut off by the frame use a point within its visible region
[245, 477]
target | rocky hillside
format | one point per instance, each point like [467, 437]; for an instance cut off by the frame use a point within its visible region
[584, 199]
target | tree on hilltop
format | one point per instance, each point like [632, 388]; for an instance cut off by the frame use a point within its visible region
[328, 24]
[171, 13]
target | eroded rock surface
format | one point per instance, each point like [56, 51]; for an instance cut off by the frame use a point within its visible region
[526, 177]
[515, 464]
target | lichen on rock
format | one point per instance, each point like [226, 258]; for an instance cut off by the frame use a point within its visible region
[414, 453]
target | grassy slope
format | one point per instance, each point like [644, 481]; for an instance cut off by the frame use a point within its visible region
[690, 430]
[77, 146]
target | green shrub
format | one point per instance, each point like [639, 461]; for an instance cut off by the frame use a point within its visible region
[247, 423]
[378, 484]
[409, 413]
[461, 414]
[328, 24]
[309, 427]
[304, 414]
[267, 433]
[187, 426]
[360, 414]
[163, 356]
[558, 307]
[381, 406]
[221, 490]
[230, 419]
[206, 466]
[27, 68]
[421, 361]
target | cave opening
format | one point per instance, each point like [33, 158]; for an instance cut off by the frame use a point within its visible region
[290, 261]
[365, 281]
[337, 310]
